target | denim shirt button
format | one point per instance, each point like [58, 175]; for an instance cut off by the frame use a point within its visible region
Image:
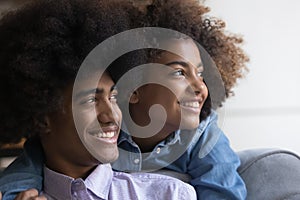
[136, 161]
[158, 150]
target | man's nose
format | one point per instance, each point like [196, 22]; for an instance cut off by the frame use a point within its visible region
[106, 113]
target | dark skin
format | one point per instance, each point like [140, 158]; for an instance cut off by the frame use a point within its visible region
[60, 127]
[64, 158]
[184, 78]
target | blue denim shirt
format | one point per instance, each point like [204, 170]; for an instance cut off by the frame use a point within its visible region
[25, 172]
[203, 153]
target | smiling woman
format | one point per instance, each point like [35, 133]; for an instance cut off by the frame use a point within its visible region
[172, 91]
[182, 95]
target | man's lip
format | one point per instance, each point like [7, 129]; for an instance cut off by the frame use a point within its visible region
[107, 140]
[110, 128]
[105, 129]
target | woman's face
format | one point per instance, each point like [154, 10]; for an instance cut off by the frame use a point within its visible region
[183, 92]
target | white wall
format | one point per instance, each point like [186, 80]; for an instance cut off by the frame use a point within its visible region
[265, 111]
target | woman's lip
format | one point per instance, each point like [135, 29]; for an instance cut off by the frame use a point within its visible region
[196, 99]
[192, 105]
[195, 110]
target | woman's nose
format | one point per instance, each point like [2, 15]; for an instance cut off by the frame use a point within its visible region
[196, 84]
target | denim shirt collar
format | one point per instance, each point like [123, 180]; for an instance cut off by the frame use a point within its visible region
[177, 144]
[172, 138]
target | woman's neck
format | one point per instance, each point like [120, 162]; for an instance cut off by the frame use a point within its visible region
[147, 144]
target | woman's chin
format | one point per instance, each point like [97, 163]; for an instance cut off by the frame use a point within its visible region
[189, 125]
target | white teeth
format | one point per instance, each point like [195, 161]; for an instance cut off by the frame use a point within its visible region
[104, 134]
[193, 104]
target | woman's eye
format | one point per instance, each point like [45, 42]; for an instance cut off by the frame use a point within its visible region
[199, 74]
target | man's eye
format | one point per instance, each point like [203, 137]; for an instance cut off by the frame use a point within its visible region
[113, 97]
[89, 100]
[178, 73]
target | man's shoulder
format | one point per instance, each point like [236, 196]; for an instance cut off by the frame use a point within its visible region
[161, 184]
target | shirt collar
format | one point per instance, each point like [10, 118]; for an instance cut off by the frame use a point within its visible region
[51, 181]
[123, 136]
[100, 180]
[174, 137]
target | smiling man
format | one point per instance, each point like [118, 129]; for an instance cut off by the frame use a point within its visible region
[76, 128]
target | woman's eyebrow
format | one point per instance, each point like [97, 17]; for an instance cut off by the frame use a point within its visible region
[184, 64]
[114, 87]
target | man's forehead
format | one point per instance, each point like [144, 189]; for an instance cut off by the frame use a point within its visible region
[99, 81]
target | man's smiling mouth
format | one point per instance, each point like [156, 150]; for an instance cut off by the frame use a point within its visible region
[109, 134]
[105, 132]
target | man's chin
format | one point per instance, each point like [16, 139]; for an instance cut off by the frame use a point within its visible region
[108, 156]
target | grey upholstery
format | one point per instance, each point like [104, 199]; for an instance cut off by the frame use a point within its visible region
[270, 174]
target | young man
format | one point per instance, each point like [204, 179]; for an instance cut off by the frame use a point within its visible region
[42, 48]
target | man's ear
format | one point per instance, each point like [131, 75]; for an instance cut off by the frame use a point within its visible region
[43, 124]
[134, 98]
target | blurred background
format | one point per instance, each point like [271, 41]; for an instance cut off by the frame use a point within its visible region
[265, 111]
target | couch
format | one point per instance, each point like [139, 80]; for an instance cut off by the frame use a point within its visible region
[269, 174]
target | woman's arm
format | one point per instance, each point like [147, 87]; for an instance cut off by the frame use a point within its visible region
[214, 172]
[26, 172]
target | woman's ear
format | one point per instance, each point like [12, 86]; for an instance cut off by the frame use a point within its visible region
[134, 98]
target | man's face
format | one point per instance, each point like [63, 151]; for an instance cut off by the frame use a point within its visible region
[97, 117]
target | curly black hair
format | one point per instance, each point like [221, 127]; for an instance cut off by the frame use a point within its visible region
[217, 45]
[42, 46]
[189, 17]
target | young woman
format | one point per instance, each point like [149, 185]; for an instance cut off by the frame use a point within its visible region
[189, 140]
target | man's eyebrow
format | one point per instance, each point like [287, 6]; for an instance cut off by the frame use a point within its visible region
[93, 91]
[182, 63]
[84, 93]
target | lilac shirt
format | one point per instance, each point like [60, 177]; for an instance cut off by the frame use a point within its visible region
[103, 183]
